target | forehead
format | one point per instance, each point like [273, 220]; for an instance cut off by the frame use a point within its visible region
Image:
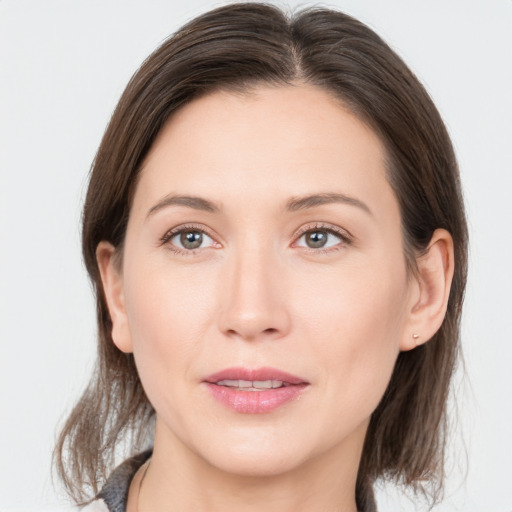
[269, 142]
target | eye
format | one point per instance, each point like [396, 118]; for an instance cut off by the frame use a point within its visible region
[187, 239]
[321, 238]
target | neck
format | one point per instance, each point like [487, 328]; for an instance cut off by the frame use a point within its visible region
[179, 480]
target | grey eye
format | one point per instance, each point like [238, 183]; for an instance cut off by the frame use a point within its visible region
[318, 239]
[315, 239]
[190, 239]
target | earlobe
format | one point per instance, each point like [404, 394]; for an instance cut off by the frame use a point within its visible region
[432, 284]
[113, 289]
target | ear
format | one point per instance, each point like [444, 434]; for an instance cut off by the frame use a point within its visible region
[113, 289]
[431, 289]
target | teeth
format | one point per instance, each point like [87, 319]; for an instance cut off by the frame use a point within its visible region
[262, 384]
[251, 385]
[229, 383]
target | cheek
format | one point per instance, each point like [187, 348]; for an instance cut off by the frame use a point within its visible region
[169, 314]
[363, 302]
[167, 305]
[355, 322]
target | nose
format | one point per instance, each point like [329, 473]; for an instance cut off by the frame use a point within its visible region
[253, 297]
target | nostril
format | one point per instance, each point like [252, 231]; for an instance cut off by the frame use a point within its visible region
[250, 335]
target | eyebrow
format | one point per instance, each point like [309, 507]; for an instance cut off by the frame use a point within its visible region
[197, 203]
[294, 204]
[302, 203]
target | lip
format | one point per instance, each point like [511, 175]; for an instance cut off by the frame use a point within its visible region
[264, 373]
[255, 402]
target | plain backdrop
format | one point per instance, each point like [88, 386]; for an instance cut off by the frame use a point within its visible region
[63, 66]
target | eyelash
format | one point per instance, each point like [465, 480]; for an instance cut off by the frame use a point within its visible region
[345, 237]
[180, 229]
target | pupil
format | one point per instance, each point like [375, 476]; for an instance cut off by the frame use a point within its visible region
[316, 239]
[191, 239]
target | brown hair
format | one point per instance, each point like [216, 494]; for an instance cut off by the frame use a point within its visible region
[236, 47]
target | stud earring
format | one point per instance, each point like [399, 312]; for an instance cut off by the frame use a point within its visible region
[415, 336]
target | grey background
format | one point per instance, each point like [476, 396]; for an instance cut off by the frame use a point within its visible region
[63, 66]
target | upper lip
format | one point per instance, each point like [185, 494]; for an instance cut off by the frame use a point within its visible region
[255, 374]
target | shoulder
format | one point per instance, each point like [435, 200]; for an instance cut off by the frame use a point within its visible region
[95, 506]
[113, 496]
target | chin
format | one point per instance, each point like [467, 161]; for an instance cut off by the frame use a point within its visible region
[255, 452]
[256, 462]
[269, 451]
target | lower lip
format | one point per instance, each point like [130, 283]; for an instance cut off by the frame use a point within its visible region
[255, 402]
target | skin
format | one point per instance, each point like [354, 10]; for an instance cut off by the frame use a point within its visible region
[255, 294]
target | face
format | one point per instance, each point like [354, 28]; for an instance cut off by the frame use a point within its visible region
[263, 249]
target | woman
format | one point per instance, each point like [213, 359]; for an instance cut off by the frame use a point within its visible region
[275, 231]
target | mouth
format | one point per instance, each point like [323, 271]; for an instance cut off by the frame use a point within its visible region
[255, 385]
[254, 391]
